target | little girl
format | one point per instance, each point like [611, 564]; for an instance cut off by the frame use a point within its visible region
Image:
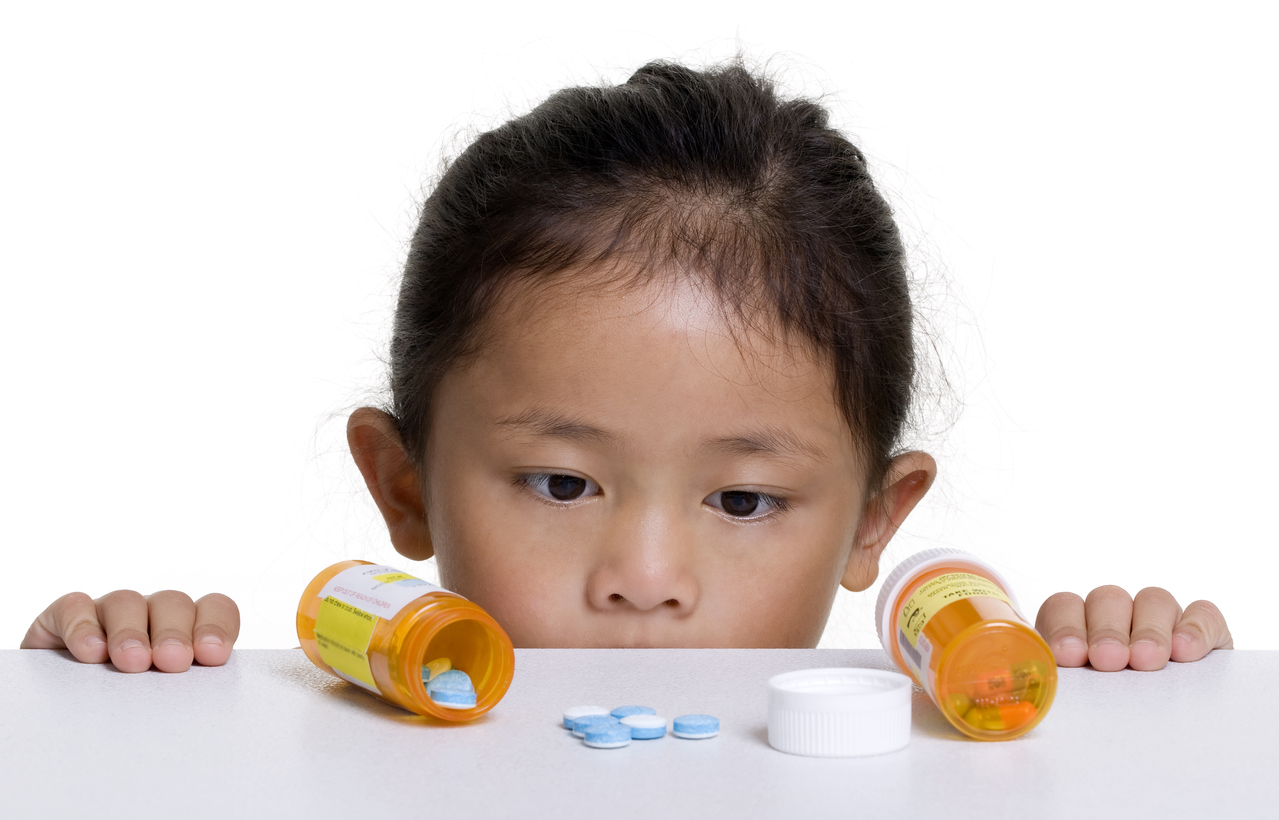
[651, 361]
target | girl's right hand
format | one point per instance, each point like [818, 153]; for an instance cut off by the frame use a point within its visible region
[115, 627]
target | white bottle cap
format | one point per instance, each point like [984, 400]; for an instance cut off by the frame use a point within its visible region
[845, 712]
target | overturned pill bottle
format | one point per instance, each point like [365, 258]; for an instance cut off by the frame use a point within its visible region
[386, 631]
[951, 622]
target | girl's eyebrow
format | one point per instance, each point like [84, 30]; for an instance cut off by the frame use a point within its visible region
[544, 422]
[766, 441]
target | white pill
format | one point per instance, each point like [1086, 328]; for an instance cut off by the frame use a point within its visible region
[645, 727]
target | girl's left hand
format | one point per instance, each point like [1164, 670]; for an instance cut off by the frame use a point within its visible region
[1111, 630]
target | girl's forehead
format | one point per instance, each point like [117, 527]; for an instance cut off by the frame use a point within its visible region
[674, 309]
[657, 357]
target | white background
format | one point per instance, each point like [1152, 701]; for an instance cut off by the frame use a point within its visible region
[203, 214]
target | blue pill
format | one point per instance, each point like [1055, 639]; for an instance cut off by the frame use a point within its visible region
[626, 711]
[695, 727]
[580, 725]
[454, 680]
[607, 735]
[453, 698]
[579, 711]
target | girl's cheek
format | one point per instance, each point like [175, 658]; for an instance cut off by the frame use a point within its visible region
[794, 593]
[517, 574]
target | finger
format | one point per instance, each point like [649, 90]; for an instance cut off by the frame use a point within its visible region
[123, 614]
[1108, 611]
[1201, 629]
[1061, 623]
[172, 618]
[1154, 613]
[71, 622]
[217, 625]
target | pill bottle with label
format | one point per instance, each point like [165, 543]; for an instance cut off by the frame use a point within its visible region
[950, 621]
[376, 627]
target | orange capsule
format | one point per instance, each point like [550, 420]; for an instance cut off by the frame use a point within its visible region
[1016, 714]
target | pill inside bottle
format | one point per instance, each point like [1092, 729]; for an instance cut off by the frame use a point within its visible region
[391, 633]
[950, 621]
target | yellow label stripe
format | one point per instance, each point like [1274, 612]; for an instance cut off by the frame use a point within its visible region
[392, 577]
[342, 635]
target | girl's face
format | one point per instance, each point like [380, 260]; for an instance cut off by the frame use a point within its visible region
[616, 468]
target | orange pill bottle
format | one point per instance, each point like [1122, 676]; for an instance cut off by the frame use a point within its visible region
[951, 622]
[376, 627]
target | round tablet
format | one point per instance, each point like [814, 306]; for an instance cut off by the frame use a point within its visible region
[580, 724]
[454, 680]
[625, 711]
[453, 698]
[645, 727]
[695, 727]
[581, 711]
[607, 736]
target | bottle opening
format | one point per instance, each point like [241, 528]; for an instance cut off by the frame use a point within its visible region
[476, 646]
[466, 644]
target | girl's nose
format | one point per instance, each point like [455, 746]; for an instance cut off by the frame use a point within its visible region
[645, 565]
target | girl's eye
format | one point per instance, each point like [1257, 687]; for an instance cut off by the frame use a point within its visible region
[745, 504]
[558, 487]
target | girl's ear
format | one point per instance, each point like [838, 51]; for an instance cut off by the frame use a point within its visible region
[909, 477]
[392, 481]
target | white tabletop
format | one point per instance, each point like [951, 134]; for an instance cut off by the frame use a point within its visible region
[271, 735]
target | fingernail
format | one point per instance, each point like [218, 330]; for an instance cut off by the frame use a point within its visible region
[132, 643]
[1071, 645]
[211, 640]
[1186, 640]
[170, 642]
[1147, 642]
[93, 641]
[1108, 642]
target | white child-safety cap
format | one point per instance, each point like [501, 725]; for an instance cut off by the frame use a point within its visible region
[847, 712]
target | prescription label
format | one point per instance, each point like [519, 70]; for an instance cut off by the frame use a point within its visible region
[931, 597]
[351, 604]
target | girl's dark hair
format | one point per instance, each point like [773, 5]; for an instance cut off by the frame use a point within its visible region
[707, 172]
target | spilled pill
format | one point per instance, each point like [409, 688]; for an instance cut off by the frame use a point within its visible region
[625, 711]
[582, 723]
[581, 711]
[607, 735]
[695, 727]
[645, 727]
